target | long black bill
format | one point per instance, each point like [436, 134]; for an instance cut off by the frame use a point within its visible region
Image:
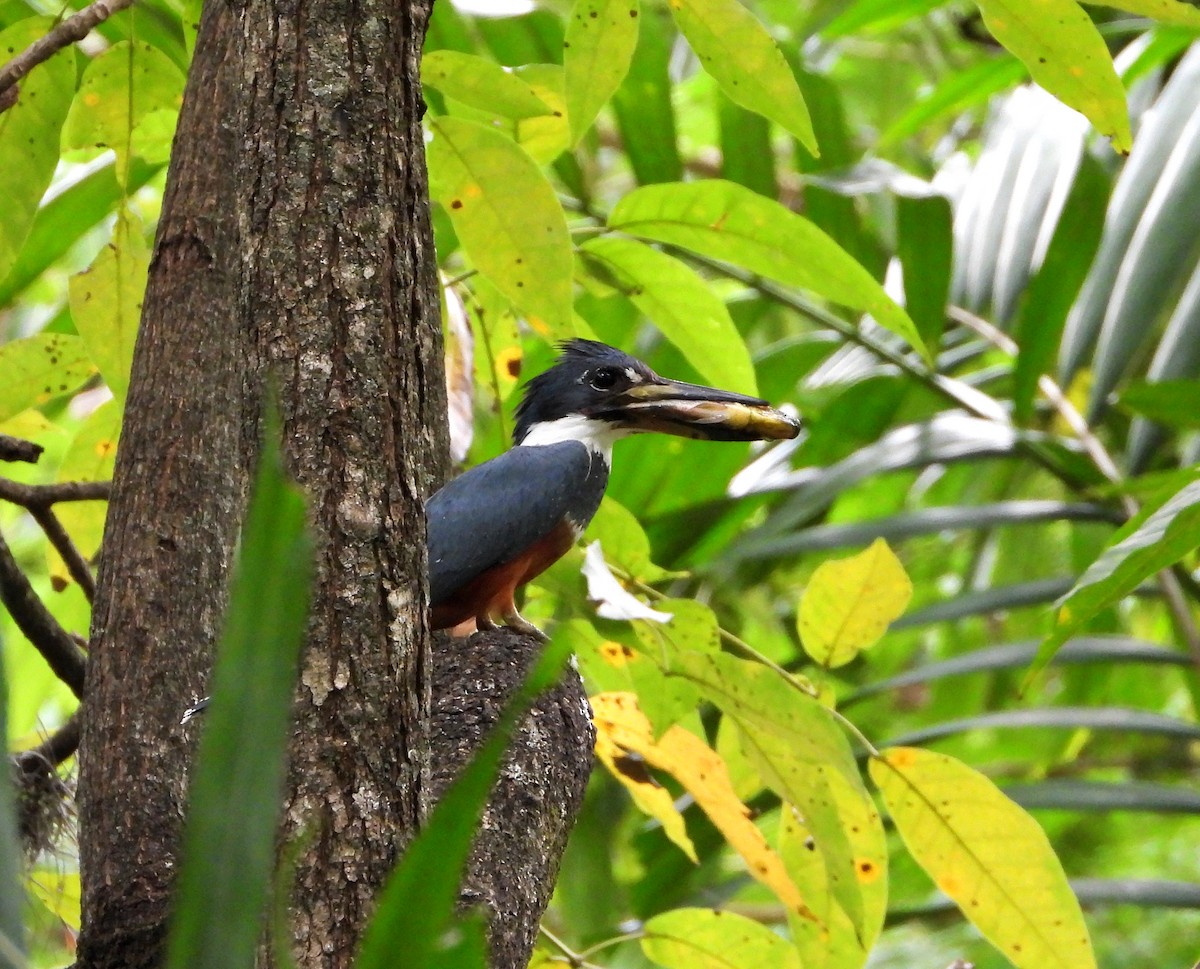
[705, 413]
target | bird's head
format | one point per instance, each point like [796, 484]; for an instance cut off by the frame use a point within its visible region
[595, 393]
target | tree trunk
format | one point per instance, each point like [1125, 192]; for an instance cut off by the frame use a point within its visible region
[515, 858]
[294, 241]
[295, 244]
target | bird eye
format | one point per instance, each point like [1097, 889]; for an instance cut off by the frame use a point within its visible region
[603, 379]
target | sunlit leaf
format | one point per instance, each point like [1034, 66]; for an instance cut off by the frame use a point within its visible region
[1066, 55]
[548, 135]
[507, 217]
[29, 133]
[153, 136]
[692, 630]
[90, 456]
[988, 855]
[601, 37]
[624, 540]
[752, 71]
[106, 300]
[699, 938]
[1139, 550]
[59, 891]
[119, 88]
[681, 305]
[39, 368]
[621, 728]
[848, 604]
[804, 757]
[731, 223]
[481, 83]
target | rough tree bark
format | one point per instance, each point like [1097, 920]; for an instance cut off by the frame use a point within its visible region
[295, 241]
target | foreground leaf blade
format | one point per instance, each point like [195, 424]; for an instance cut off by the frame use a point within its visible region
[1066, 55]
[507, 218]
[849, 603]
[743, 59]
[229, 842]
[601, 38]
[736, 225]
[699, 938]
[988, 855]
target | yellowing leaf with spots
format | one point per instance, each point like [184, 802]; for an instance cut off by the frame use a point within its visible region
[703, 774]
[849, 603]
[39, 368]
[988, 855]
[743, 59]
[618, 721]
[803, 756]
[700, 938]
[1066, 55]
[600, 39]
[89, 457]
[834, 943]
[729, 222]
[508, 219]
[106, 300]
[548, 135]
[119, 88]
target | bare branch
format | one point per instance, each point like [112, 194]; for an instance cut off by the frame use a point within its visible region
[52, 751]
[45, 495]
[40, 628]
[76, 564]
[13, 448]
[68, 32]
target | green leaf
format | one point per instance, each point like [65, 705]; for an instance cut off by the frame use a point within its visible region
[39, 368]
[1137, 551]
[229, 838]
[624, 540]
[1173, 402]
[849, 603]
[643, 106]
[731, 223]
[700, 938]
[154, 135]
[681, 304]
[925, 245]
[481, 83]
[417, 904]
[119, 88]
[692, 629]
[29, 133]
[1181, 13]
[1052, 291]
[739, 53]
[988, 855]
[508, 219]
[601, 38]
[106, 301]
[1066, 55]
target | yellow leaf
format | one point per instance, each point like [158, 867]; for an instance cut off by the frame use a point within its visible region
[619, 721]
[59, 891]
[703, 774]
[988, 855]
[699, 938]
[850, 602]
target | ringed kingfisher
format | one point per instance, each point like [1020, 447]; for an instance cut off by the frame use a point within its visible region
[502, 523]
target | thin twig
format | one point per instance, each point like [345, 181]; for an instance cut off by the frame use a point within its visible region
[52, 751]
[14, 448]
[72, 558]
[44, 495]
[40, 628]
[64, 34]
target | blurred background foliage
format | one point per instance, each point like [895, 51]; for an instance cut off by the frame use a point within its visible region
[1055, 282]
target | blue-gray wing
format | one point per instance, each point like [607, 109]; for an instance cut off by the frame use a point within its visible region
[498, 510]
